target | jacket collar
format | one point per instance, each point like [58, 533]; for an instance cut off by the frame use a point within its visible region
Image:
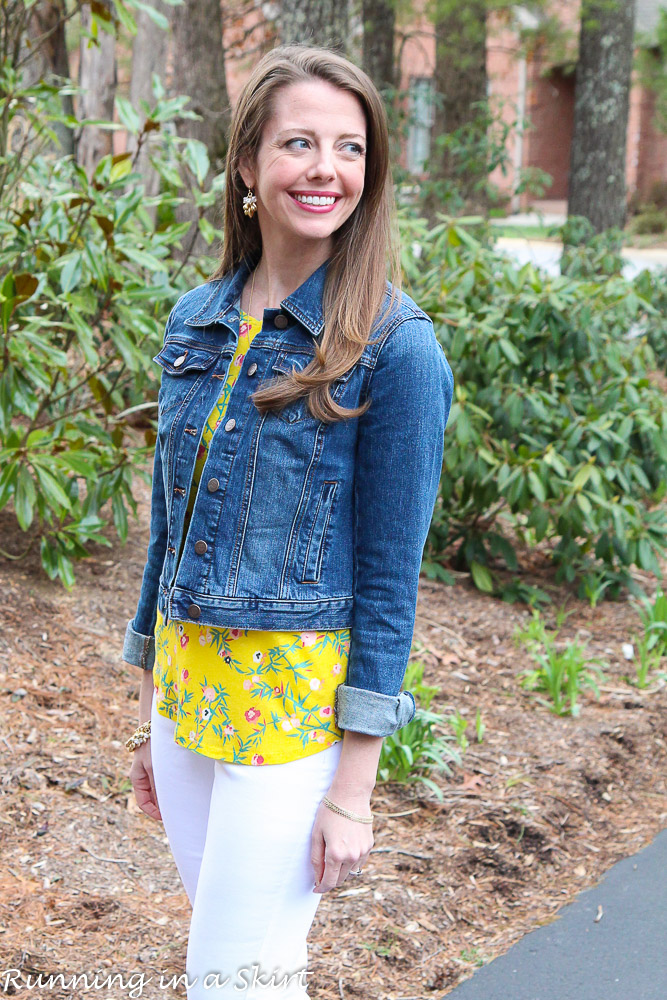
[304, 304]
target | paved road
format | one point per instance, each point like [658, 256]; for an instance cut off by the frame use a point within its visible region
[621, 957]
[547, 256]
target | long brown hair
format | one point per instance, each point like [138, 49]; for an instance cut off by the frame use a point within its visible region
[364, 247]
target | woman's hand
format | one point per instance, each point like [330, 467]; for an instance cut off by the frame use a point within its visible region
[141, 776]
[141, 771]
[338, 843]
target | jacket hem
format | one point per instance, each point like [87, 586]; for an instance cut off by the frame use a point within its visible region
[256, 613]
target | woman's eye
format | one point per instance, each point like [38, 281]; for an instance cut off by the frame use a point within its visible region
[290, 141]
[356, 148]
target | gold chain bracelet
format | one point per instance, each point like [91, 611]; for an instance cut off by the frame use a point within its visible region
[346, 812]
[140, 735]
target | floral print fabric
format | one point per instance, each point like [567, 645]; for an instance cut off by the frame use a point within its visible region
[243, 695]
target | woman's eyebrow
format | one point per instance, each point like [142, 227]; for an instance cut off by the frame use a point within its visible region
[309, 131]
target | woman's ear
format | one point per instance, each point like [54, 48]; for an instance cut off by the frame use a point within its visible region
[246, 171]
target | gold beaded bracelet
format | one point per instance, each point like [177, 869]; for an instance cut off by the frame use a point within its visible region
[139, 736]
[346, 812]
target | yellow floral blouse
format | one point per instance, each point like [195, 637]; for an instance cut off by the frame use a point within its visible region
[243, 695]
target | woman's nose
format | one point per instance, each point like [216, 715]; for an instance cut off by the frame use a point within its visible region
[323, 165]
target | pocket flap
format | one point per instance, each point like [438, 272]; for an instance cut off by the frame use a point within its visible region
[177, 359]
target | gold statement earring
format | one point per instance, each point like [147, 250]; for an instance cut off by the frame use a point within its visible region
[250, 204]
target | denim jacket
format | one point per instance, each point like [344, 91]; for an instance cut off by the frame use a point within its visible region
[298, 524]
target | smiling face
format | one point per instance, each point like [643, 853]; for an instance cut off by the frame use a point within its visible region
[308, 175]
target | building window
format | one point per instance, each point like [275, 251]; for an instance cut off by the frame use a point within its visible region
[421, 121]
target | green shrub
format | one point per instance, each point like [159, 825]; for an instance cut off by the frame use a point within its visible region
[86, 284]
[556, 432]
[653, 614]
[650, 221]
[651, 286]
[560, 672]
[423, 747]
[587, 254]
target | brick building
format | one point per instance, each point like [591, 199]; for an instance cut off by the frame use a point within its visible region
[537, 88]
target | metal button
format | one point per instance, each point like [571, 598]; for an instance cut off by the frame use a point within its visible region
[281, 321]
[200, 547]
[179, 361]
[230, 425]
[212, 485]
[194, 611]
[252, 369]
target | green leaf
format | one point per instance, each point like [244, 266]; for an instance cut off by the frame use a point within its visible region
[196, 157]
[120, 169]
[119, 516]
[509, 350]
[581, 478]
[207, 230]
[71, 274]
[65, 570]
[24, 498]
[584, 504]
[51, 487]
[126, 113]
[159, 19]
[537, 486]
[539, 520]
[482, 578]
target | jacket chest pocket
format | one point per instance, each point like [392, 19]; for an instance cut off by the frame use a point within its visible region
[297, 410]
[183, 367]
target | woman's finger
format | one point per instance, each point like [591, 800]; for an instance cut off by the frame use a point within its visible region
[330, 878]
[149, 771]
[317, 855]
[144, 789]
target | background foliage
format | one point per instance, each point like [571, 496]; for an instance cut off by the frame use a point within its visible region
[556, 434]
[87, 282]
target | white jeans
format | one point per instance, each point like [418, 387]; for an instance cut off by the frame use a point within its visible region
[241, 839]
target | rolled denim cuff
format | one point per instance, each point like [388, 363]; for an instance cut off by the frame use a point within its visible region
[371, 712]
[138, 649]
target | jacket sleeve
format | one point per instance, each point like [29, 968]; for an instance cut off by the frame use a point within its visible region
[139, 642]
[397, 473]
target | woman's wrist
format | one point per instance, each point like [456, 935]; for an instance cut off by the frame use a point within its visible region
[356, 773]
[146, 696]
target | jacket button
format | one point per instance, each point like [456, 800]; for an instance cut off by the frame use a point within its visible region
[179, 361]
[200, 547]
[194, 611]
[212, 485]
[230, 425]
[281, 321]
[252, 369]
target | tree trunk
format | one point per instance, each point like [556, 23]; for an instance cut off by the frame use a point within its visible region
[149, 56]
[318, 22]
[48, 58]
[199, 71]
[460, 81]
[97, 79]
[597, 187]
[379, 18]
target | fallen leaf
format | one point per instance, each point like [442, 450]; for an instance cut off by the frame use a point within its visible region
[471, 781]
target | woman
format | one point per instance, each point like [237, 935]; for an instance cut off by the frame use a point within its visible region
[277, 604]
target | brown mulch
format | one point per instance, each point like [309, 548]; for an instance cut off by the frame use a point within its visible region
[538, 811]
